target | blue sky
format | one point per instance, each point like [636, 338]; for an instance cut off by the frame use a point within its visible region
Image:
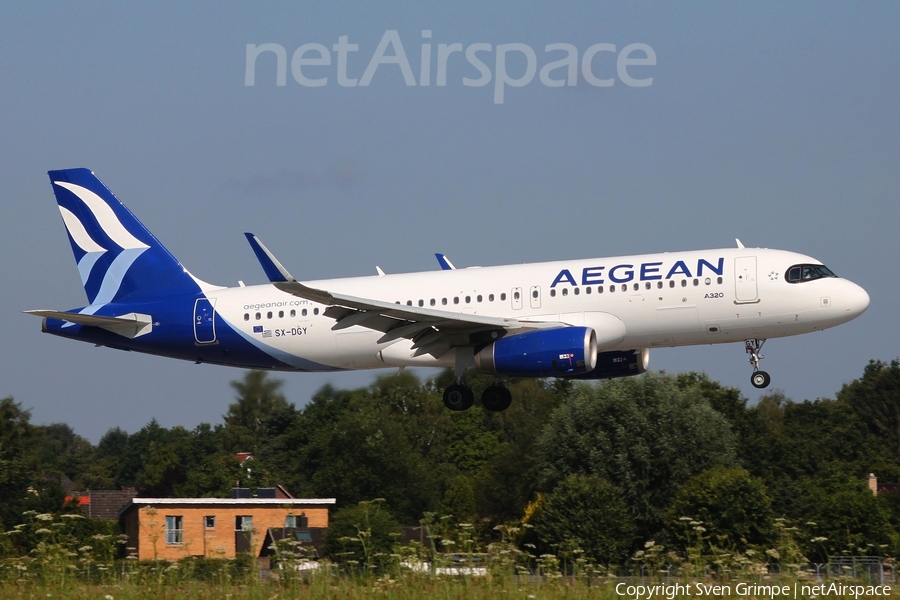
[776, 124]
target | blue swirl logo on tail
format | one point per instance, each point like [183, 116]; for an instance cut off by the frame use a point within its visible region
[118, 258]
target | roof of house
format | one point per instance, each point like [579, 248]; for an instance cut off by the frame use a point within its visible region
[226, 502]
[102, 504]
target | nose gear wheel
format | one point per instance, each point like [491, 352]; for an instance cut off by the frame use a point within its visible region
[759, 379]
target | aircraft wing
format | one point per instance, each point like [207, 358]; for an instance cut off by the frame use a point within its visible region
[432, 331]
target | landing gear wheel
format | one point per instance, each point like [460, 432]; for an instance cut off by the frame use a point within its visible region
[496, 398]
[760, 379]
[458, 397]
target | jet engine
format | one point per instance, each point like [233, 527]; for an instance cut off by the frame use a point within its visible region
[623, 363]
[561, 352]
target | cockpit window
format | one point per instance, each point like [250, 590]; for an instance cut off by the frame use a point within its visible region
[800, 273]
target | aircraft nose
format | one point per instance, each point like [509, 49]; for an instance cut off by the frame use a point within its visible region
[855, 299]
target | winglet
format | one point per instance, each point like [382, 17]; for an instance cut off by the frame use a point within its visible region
[275, 271]
[739, 244]
[444, 262]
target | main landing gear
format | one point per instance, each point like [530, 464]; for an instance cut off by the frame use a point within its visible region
[459, 396]
[759, 379]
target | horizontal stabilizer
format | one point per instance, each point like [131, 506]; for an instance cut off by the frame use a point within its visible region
[131, 325]
[275, 271]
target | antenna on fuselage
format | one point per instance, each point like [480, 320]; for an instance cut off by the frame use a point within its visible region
[739, 244]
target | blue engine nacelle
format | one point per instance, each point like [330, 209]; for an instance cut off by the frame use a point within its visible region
[561, 352]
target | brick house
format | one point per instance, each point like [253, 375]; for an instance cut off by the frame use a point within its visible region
[175, 528]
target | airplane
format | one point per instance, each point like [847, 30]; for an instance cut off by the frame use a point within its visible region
[595, 318]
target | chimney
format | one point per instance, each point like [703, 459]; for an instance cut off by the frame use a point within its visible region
[873, 483]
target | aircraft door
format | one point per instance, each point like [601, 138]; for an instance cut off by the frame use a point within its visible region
[516, 297]
[745, 279]
[205, 320]
[535, 296]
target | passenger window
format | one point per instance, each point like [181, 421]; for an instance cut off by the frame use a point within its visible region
[647, 285]
[599, 289]
[258, 316]
[671, 283]
[468, 299]
[612, 289]
[478, 297]
[280, 314]
[576, 291]
[534, 293]
[269, 315]
[421, 303]
[431, 302]
[304, 312]
[444, 301]
[315, 311]
[246, 316]
[553, 293]
[659, 284]
[409, 302]
[624, 287]
[293, 313]
[637, 286]
[708, 281]
[490, 297]
[696, 282]
[565, 291]
[684, 283]
[503, 297]
[456, 300]
[587, 290]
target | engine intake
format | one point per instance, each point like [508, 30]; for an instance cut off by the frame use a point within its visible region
[562, 352]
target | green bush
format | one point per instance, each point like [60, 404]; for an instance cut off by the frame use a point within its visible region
[732, 508]
[586, 513]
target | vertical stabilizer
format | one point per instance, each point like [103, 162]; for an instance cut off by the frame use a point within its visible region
[117, 257]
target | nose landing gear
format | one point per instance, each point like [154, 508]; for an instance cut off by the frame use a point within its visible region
[759, 379]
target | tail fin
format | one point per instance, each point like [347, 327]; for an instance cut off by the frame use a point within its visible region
[118, 258]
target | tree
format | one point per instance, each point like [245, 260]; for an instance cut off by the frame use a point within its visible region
[646, 435]
[459, 500]
[259, 401]
[876, 399]
[587, 512]
[843, 516]
[364, 533]
[731, 506]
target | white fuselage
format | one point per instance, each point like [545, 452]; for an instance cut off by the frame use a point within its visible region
[633, 302]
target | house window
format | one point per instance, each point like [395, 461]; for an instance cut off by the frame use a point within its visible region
[209, 522]
[174, 530]
[243, 523]
[294, 521]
